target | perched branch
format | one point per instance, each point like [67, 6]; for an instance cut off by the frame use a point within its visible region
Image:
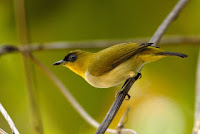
[9, 120]
[20, 15]
[176, 39]
[155, 39]
[196, 129]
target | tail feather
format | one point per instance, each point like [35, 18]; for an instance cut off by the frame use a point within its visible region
[173, 54]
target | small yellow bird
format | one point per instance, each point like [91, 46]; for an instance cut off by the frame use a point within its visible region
[113, 65]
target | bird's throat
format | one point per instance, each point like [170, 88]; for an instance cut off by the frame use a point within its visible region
[80, 70]
[81, 65]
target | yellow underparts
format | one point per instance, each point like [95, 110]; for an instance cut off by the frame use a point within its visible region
[75, 68]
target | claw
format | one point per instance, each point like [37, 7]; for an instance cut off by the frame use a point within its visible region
[128, 97]
[121, 91]
[140, 75]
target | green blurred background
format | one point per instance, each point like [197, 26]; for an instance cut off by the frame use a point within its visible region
[162, 101]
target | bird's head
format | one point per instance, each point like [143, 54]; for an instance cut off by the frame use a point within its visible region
[77, 61]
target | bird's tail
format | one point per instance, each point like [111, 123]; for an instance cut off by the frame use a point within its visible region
[173, 54]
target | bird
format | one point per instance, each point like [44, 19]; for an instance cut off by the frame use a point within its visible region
[113, 65]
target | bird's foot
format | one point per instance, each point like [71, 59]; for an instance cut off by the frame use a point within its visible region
[122, 92]
[140, 75]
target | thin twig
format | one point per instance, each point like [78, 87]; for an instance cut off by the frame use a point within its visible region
[196, 129]
[120, 127]
[9, 120]
[71, 99]
[168, 20]
[23, 32]
[155, 39]
[121, 122]
[175, 39]
[2, 131]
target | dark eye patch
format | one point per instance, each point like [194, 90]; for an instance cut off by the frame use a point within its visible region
[71, 57]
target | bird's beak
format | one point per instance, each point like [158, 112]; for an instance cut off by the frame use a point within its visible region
[59, 62]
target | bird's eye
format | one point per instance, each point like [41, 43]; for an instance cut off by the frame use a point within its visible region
[72, 57]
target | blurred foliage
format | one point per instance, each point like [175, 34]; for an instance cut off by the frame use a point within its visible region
[162, 101]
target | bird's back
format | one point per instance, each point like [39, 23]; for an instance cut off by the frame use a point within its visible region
[109, 58]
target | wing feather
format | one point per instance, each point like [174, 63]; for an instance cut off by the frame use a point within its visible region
[126, 56]
[111, 57]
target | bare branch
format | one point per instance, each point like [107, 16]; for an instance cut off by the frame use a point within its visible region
[155, 39]
[2, 131]
[20, 15]
[196, 129]
[120, 127]
[9, 120]
[176, 39]
[168, 20]
[121, 122]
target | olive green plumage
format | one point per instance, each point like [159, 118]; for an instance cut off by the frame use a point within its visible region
[114, 64]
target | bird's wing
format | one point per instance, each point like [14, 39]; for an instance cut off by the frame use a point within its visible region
[114, 56]
[129, 54]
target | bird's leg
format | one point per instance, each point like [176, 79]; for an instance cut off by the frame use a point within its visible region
[138, 76]
[121, 90]
[125, 83]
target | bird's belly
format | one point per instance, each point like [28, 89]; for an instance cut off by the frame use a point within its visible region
[110, 79]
